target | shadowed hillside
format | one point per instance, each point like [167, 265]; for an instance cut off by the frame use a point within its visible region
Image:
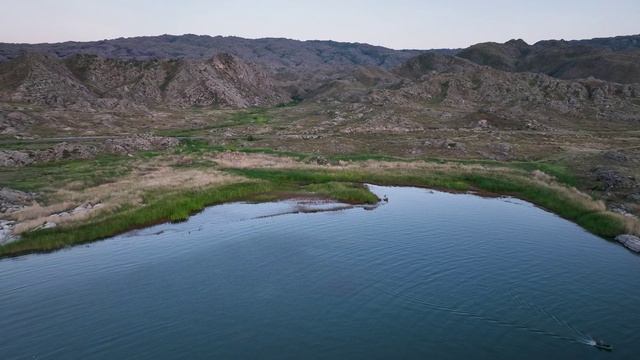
[612, 59]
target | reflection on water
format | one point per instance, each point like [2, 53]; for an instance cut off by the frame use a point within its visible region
[426, 275]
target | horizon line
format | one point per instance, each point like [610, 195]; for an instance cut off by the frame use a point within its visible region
[299, 40]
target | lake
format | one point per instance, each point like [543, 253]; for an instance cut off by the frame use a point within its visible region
[427, 275]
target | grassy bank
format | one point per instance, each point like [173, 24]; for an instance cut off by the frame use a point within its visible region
[173, 207]
[558, 170]
[343, 185]
[176, 207]
[559, 200]
[55, 174]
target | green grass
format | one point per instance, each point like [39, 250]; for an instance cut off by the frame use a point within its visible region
[349, 193]
[557, 170]
[200, 147]
[597, 222]
[173, 207]
[54, 175]
[439, 180]
[294, 102]
[254, 116]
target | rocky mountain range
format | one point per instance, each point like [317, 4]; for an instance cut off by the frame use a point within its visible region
[614, 59]
[272, 53]
[519, 99]
[117, 87]
[89, 82]
[183, 71]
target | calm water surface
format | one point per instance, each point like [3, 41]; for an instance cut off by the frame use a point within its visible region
[428, 275]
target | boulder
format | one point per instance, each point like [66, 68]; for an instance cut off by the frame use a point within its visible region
[483, 124]
[6, 232]
[13, 158]
[13, 200]
[611, 179]
[631, 242]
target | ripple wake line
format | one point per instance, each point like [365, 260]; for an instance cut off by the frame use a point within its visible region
[504, 323]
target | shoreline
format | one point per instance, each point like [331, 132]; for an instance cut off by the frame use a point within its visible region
[346, 185]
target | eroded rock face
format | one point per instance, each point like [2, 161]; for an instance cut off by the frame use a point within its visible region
[89, 83]
[631, 242]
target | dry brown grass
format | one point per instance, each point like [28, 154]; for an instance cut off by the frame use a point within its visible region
[233, 159]
[130, 190]
[57, 218]
[37, 211]
[631, 224]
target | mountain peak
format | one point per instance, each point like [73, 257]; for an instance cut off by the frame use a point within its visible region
[519, 43]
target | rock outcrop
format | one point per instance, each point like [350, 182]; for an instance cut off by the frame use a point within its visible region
[12, 200]
[631, 242]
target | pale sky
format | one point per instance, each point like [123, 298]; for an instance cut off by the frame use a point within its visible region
[396, 24]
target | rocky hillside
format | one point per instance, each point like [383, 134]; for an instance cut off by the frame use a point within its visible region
[88, 82]
[513, 81]
[280, 55]
[615, 59]
[511, 100]
[300, 65]
[612, 59]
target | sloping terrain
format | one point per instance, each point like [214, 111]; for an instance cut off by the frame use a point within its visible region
[91, 83]
[612, 59]
[473, 92]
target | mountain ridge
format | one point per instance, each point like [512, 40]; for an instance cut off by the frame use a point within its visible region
[615, 59]
[89, 82]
